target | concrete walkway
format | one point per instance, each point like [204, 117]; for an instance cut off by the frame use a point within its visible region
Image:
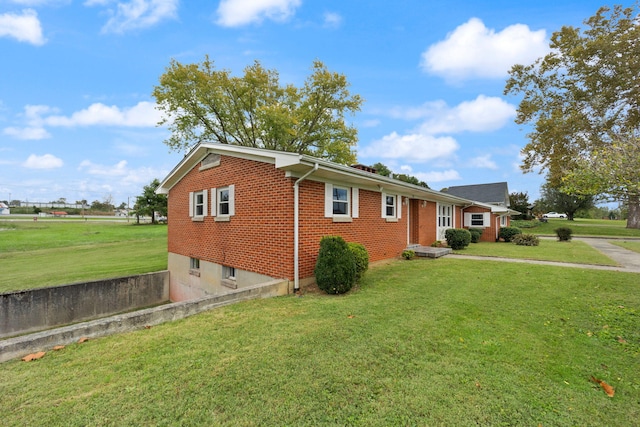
[629, 261]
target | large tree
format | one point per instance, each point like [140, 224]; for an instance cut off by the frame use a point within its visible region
[150, 203]
[583, 100]
[201, 103]
[519, 201]
[554, 199]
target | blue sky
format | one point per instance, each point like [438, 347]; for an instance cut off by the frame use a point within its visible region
[77, 119]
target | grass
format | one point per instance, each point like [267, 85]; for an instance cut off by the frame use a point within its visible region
[422, 342]
[548, 250]
[581, 227]
[632, 245]
[37, 254]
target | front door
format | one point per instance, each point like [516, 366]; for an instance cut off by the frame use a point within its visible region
[414, 221]
[445, 219]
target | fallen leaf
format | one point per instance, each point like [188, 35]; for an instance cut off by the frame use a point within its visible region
[58, 347]
[33, 356]
[83, 339]
[589, 333]
[351, 316]
[621, 340]
[478, 385]
[147, 327]
[605, 327]
[606, 387]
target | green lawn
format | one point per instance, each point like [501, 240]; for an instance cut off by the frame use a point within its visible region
[548, 250]
[582, 227]
[422, 342]
[46, 253]
[632, 245]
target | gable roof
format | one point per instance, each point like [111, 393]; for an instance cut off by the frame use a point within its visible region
[496, 193]
[296, 165]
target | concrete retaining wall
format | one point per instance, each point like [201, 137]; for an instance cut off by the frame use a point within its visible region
[38, 309]
[42, 341]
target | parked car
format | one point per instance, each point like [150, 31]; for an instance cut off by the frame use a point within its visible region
[554, 215]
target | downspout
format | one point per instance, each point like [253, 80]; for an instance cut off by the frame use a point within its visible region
[296, 220]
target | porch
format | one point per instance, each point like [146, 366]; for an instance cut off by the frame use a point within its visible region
[429, 251]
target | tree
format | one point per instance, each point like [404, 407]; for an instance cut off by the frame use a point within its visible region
[383, 170]
[200, 103]
[553, 199]
[583, 100]
[150, 203]
[519, 201]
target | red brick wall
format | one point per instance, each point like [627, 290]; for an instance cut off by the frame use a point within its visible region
[259, 237]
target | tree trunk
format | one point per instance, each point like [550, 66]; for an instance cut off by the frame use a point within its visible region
[633, 220]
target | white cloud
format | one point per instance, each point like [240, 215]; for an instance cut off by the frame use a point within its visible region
[332, 20]
[27, 133]
[482, 114]
[235, 13]
[473, 50]
[144, 114]
[414, 146]
[136, 14]
[46, 161]
[23, 27]
[90, 168]
[435, 176]
[484, 162]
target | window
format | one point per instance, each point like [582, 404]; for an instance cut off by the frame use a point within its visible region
[391, 206]
[229, 277]
[340, 202]
[223, 202]
[503, 221]
[194, 267]
[444, 216]
[229, 273]
[477, 219]
[198, 205]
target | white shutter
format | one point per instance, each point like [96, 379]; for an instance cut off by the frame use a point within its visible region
[355, 202]
[232, 200]
[383, 207]
[214, 206]
[328, 200]
[487, 219]
[467, 219]
[191, 204]
[204, 203]
[399, 206]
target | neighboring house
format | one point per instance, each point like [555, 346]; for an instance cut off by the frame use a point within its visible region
[495, 194]
[4, 209]
[241, 216]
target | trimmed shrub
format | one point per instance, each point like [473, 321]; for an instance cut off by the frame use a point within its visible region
[563, 233]
[335, 269]
[436, 244]
[526, 240]
[508, 233]
[361, 258]
[408, 254]
[476, 233]
[457, 238]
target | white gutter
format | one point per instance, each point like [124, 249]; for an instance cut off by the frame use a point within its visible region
[296, 207]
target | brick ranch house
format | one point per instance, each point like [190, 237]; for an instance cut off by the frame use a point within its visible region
[241, 216]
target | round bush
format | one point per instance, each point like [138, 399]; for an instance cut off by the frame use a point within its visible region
[335, 269]
[508, 233]
[408, 254]
[526, 240]
[476, 233]
[457, 238]
[563, 233]
[361, 257]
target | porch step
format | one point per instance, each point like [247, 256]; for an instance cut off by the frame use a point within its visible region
[428, 251]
